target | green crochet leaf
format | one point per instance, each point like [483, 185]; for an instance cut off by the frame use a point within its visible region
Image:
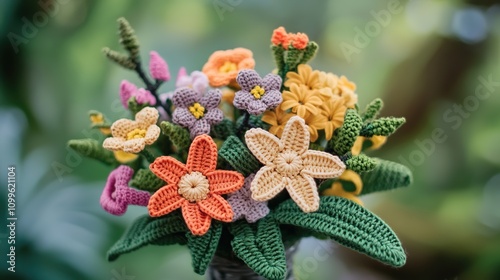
[254, 122]
[147, 230]
[350, 225]
[224, 129]
[309, 52]
[372, 110]
[135, 107]
[177, 134]
[146, 180]
[234, 152]
[382, 126]
[93, 149]
[260, 247]
[386, 175]
[203, 247]
[346, 135]
[361, 163]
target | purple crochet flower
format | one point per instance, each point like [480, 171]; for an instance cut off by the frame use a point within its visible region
[257, 94]
[244, 206]
[142, 96]
[195, 112]
[117, 195]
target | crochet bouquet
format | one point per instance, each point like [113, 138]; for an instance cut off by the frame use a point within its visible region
[239, 166]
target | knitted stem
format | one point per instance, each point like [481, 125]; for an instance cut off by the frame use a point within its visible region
[244, 124]
[222, 268]
[148, 155]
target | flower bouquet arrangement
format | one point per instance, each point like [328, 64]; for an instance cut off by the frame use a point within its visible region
[240, 166]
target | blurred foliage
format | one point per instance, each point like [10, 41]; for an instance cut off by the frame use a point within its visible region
[423, 61]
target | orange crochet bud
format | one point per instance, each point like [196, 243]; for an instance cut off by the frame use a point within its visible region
[280, 37]
[299, 40]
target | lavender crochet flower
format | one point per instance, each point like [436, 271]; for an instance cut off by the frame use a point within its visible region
[257, 94]
[196, 112]
[244, 206]
[117, 195]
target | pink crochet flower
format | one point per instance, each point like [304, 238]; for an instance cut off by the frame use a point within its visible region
[244, 206]
[196, 80]
[257, 94]
[158, 67]
[142, 96]
[195, 112]
[117, 195]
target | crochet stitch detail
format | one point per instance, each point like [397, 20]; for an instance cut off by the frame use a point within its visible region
[244, 206]
[257, 94]
[222, 67]
[158, 67]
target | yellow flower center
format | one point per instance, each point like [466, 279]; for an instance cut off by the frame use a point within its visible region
[97, 119]
[257, 92]
[197, 110]
[288, 164]
[193, 186]
[228, 66]
[136, 133]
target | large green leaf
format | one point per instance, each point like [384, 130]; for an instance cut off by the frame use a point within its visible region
[260, 247]
[234, 152]
[147, 230]
[349, 224]
[386, 175]
[203, 247]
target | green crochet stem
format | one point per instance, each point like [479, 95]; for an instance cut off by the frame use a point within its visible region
[177, 134]
[253, 122]
[372, 110]
[203, 247]
[224, 129]
[292, 58]
[128, 39]
[386, 175]
[147, 155]
[119, 58]
[361, 163]
[382, 126]
[344, 138]
[234, 152]
[309, 52]
[93, 149]
[348, 224]
[146, 180]
[145, 230]
[260, 247]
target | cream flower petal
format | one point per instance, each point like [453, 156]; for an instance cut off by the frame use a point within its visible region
[121, 127]
[113, 143]
[266, 184]
[263, 145]
[303, 191]
[134, 145]
[152, 134]
[147, 116]
[296, 135]
[321, 165]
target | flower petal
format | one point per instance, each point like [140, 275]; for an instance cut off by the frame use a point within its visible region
[211, 99]
[322, 165]
[242, 99]
[263, 145]
[121, 127]
[202, 155]
[197, 221]
[184, 97]
[164, 201]
[248, 79]
[113, 143]
[272, 99]
[147, 117]
[168, 169]
[152, 134]
[271, 82]
[256, 107]
[256, 211]
[214, 116]
[217, 207]
[134, 145]
[267, 184]
[224, 181]
[304, 192]
[295, 135]
[183, 117]
[200, 127]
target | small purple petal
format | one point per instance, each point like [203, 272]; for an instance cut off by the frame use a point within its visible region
[200, 127]
[127, 89]
[271, 82]
[248, 79]
[214, 116]
[184, 97]
[211, 99]
[183, 117]
[242, 99]
[256, 107]
[256, 212]
[272, 99]
[244, 206]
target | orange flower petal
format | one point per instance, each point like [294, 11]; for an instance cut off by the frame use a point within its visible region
[164, 201]
[217, 207]
[223, 181]
[304, 192]
[168, 169]
[202, 155]
[197, 221]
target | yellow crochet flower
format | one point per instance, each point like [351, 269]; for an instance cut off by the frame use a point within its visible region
[277, 118]
[338, 190]
[133, 136]
[289, 164]
[305, 76]
[123, 157]
[301, 100]
[334, 111]
[97, 120]
[315, 123]
[376, 142]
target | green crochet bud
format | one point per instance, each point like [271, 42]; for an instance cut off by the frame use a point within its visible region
[98, 120]
[93, 149]
[128, 38]
[278, 52]
[177, 134]
[386, 175]
[234, 152]
[292, 58]
[309, 52]
[382, 126]
[119, 58]
[361, 163]
[346, 135]
[224, 129]
[372, 110]
[135, 107]
[146, 180]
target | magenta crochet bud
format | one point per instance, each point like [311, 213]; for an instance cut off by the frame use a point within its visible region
[158, 67]
[127, 90]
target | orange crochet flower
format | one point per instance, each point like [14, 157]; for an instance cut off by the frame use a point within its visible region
[222, 67]
[281, 38]
[195, 187]
[288, 163]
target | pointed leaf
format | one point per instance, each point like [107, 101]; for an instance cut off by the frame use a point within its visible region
[147, 230]
[93, 149]
[146, 180]
[203, 247]
[177, 134]
[350, 225]
[361, 163]
[344, 138]
[260, 247]
[372, 110]
[386, 175]
[382, 126]
[224, 129]
[238, 156]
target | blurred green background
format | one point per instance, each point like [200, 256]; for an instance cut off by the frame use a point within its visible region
[425, 58]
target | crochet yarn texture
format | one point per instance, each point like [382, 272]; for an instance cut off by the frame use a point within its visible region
[244, 206]
[257, 94]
